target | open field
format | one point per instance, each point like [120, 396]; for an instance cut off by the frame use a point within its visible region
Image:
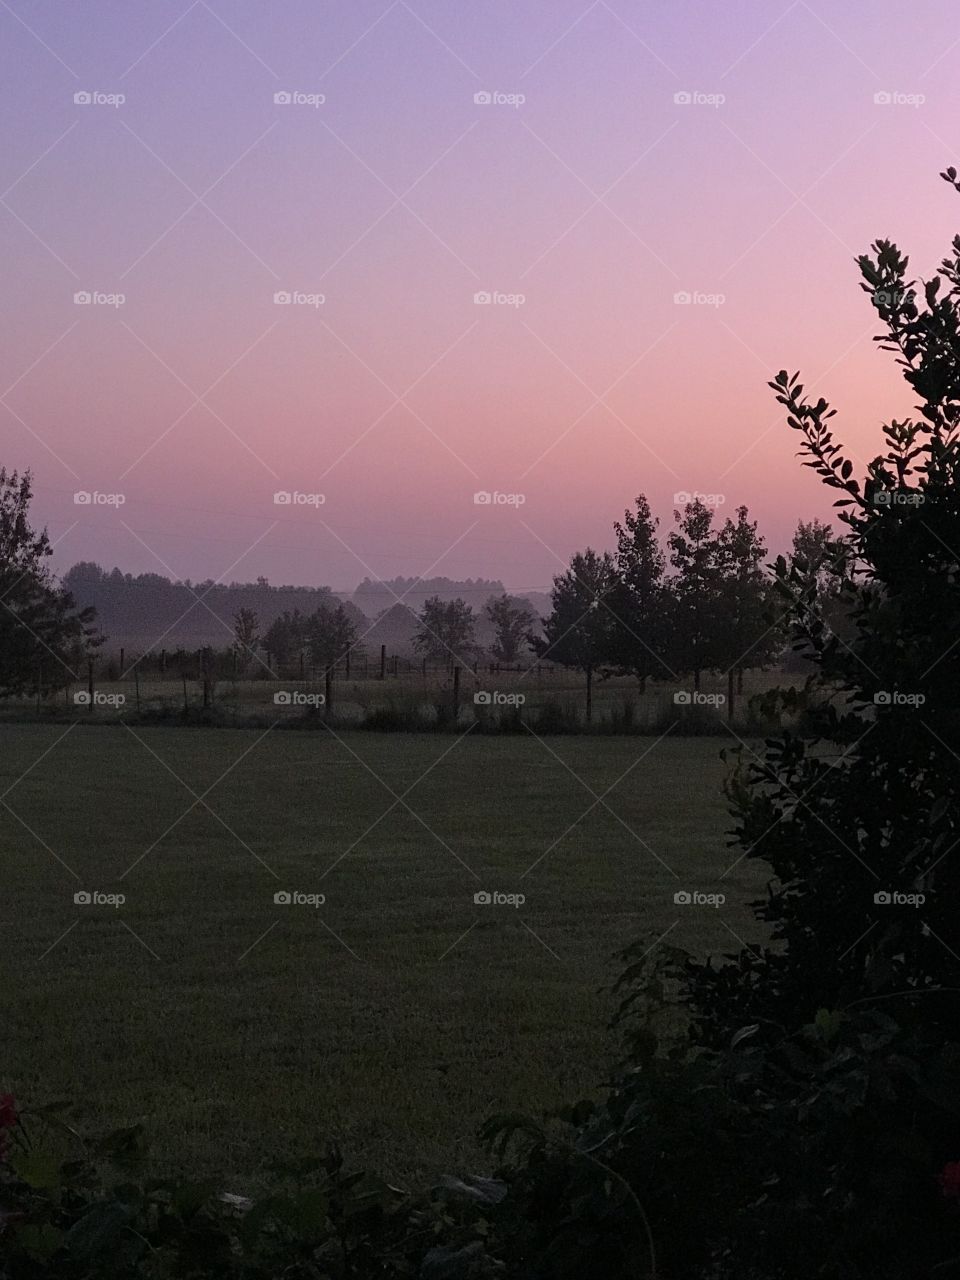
[557, 690]
[395, 1017]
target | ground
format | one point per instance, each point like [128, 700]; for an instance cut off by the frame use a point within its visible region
[399, 1014]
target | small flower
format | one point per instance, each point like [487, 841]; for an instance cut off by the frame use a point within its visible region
[949, 1180]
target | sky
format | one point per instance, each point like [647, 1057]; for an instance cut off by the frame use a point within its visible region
[382, 256]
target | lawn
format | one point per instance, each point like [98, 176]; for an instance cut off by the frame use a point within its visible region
[399, 1014]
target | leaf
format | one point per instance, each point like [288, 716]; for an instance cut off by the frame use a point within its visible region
[40, 1240]
[91, 1233]
[37, 1168]
[828, 1023]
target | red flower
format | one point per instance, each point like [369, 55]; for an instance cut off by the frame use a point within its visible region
[949, 1180]
[8, 1111]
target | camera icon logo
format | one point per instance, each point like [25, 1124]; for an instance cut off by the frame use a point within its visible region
[282, 898]
[683, 98]
[483, 298]
[82, 99]
[483, 98]
[82, 298]
[682, 898]
[883, 98]
[482, 698]
[82, 898]
[282, 298]
[283, 698]
[682, 298]
[282, 99]
[82, 498]
[482, 898]
[882, 698]
[282, 498]
[482, 498]
[682, 698]
[82, 698]
[882, 898]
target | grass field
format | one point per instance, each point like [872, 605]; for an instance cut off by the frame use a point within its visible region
[395, 1017]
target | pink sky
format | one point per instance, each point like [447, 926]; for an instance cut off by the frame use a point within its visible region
[598, 198]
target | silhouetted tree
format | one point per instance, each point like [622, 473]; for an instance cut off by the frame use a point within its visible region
[637, 600]
[751, 614]
[45, 640]
[330, 635]
[445, 630]
[246, 637]
[695, 604]
[579, 632]
[286, 637]
[513, 620]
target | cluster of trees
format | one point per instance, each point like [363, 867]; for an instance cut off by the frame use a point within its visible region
[705, 604]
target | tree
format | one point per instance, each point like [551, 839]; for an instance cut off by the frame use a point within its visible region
[750, 613]
[861, 802]
[45, 640]
[580, 630]
[445, 630]
[694, 607]
[637, 600]
[513, 620]
[286, 637]
[331, 634]
[246, 637]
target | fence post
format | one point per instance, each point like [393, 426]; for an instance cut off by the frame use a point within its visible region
[383, 662]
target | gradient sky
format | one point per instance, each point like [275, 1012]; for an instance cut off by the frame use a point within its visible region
[598, 199]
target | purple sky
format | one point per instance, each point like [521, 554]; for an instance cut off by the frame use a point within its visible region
[584, 201]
